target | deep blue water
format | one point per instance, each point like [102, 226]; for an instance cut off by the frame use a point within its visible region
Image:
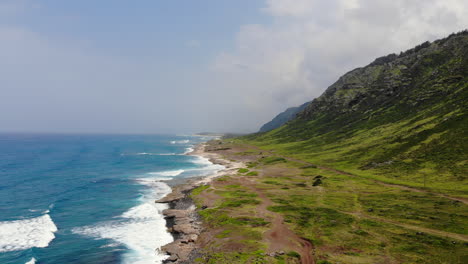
[88, 198]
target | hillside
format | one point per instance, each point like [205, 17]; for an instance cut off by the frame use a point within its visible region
[372, 171]
[282, 118]
[401, 118]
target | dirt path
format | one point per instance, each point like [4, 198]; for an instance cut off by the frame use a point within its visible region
[435, 232]
[411, 227]
[403, 187]
[279, 235]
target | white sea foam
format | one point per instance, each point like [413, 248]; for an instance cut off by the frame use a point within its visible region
[180, 141]
[32, 261]
[148, 154]
[142, 229]
[171, 173]
[188, 150]
[26, 233]
[206, 167]
[202, 161]
[152, 182]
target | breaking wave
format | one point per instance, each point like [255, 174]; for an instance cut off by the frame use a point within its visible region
[142, 229]
[26, 233]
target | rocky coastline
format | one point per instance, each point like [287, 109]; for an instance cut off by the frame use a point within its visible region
[182, 219]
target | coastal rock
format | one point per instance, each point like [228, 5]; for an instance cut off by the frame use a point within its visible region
[174, 196]
[178, 251]
[182, 220]
[182, 223]
[178, 193]
[186, 228]
[176, 213]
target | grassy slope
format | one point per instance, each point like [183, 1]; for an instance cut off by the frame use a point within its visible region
[415, 136]
[403, 123]
[347, 219]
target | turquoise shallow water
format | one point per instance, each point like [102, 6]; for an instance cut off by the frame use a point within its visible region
[89, 198]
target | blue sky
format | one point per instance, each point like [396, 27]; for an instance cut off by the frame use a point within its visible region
[168, 30]
[185, 66]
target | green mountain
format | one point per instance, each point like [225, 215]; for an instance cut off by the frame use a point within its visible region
[282, 118]
[401, 119]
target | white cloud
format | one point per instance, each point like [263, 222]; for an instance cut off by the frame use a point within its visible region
[296, 8]
[52, 82]
[310, 43]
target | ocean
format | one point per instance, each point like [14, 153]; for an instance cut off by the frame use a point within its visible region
[89, 198]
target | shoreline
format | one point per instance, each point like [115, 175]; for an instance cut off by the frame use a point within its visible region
[182, 219]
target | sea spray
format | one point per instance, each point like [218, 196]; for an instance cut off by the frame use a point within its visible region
[26, 233]
[142, 229]
[31, 261]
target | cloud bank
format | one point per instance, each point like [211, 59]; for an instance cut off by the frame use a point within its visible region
[52, 81]
[310, 43]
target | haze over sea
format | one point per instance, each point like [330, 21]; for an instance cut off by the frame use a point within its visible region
[89, 198]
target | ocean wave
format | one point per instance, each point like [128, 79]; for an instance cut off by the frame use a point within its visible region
[202, 161]
[26, 233]
[142, 229]
[148, 154]
[171, 173]
[209, 166]
[187, 151]
[32, 261]
[204, 167]
[185, 141]
[157, 191]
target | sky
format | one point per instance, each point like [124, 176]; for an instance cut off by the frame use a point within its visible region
[158, 66]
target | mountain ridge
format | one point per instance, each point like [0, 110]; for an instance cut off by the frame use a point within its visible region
[401, 117]
[283, 117]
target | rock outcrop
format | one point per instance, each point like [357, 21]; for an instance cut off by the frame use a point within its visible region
[183, 223]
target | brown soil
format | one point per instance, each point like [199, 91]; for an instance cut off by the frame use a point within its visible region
[411, 227]
[413, 189]
[279, 236]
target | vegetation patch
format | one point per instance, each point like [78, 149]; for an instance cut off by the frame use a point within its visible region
[251, 164]
[200, 189]
[223, 178]
[272, 160]
[239, 202]
[233, 258]
[242, 170]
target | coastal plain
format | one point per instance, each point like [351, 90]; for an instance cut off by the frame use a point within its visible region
[278, 209]
[371, 171]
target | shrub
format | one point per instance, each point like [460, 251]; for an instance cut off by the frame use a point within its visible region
[242, 170]
[293, 254]
[270, 160]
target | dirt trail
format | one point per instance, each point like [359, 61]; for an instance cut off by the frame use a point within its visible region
[435, 232]
[279, 235]
[403, 187]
